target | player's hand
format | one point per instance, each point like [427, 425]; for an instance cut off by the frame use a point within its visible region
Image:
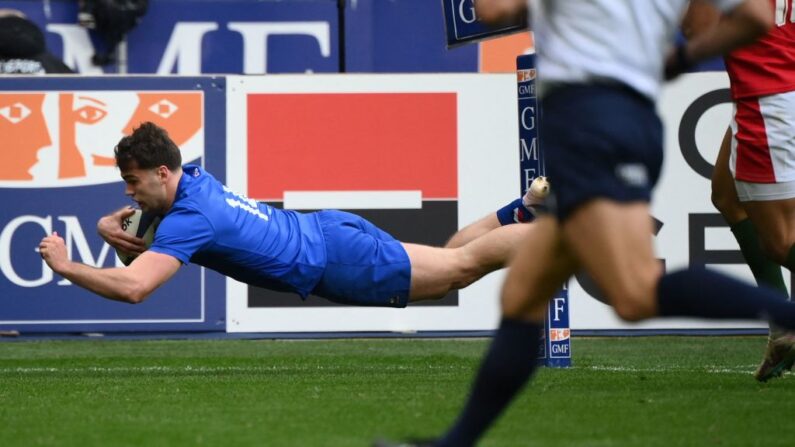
[498, 12]
[53, 250]
[110, 229]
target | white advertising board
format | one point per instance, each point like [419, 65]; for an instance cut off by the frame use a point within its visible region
[486, 166]
[486, 135]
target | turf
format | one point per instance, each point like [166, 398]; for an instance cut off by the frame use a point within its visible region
[656, 391]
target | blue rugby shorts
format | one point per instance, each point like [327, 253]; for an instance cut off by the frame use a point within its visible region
[366, 266]
[599, 141]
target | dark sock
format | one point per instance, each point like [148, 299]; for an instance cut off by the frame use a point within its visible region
[791, 259]
[697, 292]
[508, 365]
[515, 212]
[765, 271]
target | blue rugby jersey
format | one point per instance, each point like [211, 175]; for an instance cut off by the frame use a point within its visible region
[251, 242]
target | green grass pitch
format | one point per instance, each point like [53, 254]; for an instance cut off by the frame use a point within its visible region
[645, 391]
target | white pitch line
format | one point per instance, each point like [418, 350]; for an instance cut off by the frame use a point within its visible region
[706, 369]
[743, 369]
[203, 369]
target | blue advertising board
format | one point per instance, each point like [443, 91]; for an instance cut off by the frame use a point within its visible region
[58, 175]
[555, 348]
[192, 37]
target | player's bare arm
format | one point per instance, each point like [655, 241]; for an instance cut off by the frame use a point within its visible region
[749, 21]
[746, 23]
[131, 284]
[499, 11]
[110, 229]
[701, 16]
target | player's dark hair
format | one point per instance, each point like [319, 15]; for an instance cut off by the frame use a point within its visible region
[148, 147]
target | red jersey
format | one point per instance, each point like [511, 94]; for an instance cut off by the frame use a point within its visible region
[768, 65]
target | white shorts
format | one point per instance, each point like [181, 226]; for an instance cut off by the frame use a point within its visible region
[751, 192]
[763, 147]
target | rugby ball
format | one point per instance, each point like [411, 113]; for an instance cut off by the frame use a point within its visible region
[142, 225]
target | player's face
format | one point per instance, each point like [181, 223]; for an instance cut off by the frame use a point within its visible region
[147, 188]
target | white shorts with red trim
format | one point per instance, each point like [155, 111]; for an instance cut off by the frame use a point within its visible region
[763, 139]
[759, 192]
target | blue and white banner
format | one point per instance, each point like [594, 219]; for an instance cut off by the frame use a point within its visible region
[192, 37]
[556, 345]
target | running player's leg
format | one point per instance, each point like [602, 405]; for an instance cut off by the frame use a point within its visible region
[776, 221]
[724, 197]
[765, 271]
[764, 170]
[436, 271]
[605, 176]
[614, 243]
[761, 153]
[614, 246]
[541, 266]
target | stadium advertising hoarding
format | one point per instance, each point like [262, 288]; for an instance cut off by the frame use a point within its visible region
[58, 174]
[420, 155]
[688, 230]
[192, 37]
[420, 175]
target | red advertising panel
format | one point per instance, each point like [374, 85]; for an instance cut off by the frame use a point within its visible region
[364, 143]
[349, 142]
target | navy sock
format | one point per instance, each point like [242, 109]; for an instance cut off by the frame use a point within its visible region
[510, 362]
[765, 271]
[515, 212]
[697, 292]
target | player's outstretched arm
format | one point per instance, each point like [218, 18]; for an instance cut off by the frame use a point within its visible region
[109, 228]
[132, 284]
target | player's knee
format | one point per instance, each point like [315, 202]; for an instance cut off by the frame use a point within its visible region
[465, 269]
[522, 302]
[635, 300]
[727, 205]
[635, 310]
[513, 301]
[463, 278]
